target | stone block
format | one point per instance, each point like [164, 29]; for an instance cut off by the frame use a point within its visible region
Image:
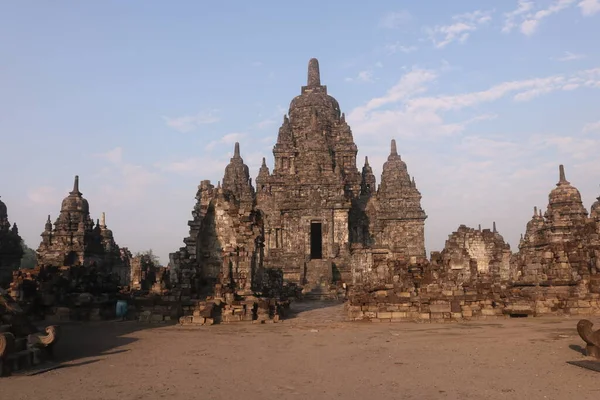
[439, 308]
[489, 312]
[157, 318]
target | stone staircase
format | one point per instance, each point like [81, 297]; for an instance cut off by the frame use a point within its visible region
[320, 291]
[318, 278]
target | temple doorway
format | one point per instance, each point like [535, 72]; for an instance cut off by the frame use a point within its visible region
[71, 259]
[316, 241]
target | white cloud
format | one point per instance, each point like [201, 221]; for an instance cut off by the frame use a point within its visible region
[592, 127]
[257, 64]
[396, 19]
[577, 148]
[229, 139]
[265, 123]
[589, 7]
[189, 123]
[125, 183]
[522, 91]
[404, 112]
[363, 76]
[204, 166]
[44, 195]
[409, 85]
[523, 6]
[394, 48]
[460, 29]
[208, 165]
[114, 156]
[532, 20]
[568, 56]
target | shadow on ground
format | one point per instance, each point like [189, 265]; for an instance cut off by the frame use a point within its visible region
[577, 348]
[95, 339]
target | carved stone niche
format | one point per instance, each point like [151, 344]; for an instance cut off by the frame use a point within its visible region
[590, 337]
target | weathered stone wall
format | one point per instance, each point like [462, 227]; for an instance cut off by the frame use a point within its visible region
[11, 250]
[474, 303]
[555, 271]
[475, 255]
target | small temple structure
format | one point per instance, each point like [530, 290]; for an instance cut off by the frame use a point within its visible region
[11, 249]
[75, 240]
[561, 246]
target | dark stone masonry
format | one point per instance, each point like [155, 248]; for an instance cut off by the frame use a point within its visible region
[11, 250]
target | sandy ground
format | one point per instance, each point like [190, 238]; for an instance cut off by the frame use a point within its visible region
[316, 356]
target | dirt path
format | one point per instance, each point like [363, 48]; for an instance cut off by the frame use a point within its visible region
[317, 356]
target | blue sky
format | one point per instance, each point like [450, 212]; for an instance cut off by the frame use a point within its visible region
[143, 100]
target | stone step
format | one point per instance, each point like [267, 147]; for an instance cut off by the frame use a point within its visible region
[320, 293]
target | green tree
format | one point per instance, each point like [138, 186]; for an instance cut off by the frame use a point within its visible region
[29, 259]
[150, 257]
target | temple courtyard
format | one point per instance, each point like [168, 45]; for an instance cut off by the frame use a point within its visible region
[315, 354]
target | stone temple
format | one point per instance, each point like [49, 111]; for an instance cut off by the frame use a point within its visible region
[74, 239]
[315, 216]
[11, 250]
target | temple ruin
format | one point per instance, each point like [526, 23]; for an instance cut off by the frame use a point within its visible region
[555, 271]
[323, 224]
[11, 249]
[315, 227]
[74, 239]
[315, 217]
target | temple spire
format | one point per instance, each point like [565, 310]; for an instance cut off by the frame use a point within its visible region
[76, 185]
[314, 76]
[562, 177]
[494, 227]
[103, 220]
[236, 150]
[394, 150]
[366, 161]
[535, 212]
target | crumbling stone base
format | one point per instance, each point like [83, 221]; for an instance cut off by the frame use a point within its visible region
[389, 304]
[249, 309]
